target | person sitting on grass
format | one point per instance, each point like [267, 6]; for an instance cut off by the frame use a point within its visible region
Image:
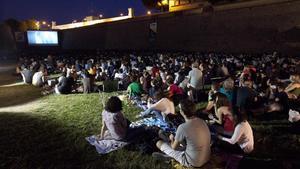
[27, 75]
[173, 88]
[293, 89]
[215, 87]
[114, 123]
[115, 126]
[242, 140]
[134, 89]
[65, 85]
[38, 78]
[280, 101]
[194, 133]
[223, 115]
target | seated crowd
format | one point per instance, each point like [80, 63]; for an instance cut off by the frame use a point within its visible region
[241, 87]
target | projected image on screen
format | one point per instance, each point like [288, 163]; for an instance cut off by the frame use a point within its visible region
[46, 38]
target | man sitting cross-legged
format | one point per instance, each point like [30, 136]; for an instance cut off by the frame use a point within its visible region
[194, 134]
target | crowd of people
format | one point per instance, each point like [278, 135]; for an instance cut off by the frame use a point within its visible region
[236, 87]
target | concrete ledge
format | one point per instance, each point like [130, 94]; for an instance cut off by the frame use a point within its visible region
[248, 4]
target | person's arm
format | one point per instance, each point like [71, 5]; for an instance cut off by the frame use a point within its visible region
[103, 129]
[209, 106]
[238, 131]
[219, 115]
[174, 143]
[291, 87]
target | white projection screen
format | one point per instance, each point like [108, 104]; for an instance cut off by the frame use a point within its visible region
[42, 38]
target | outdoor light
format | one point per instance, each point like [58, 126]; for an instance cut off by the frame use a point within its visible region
[121, 14]
[101, 16]
[44, 22]
[37, 24]
[165, 2]
[74, 21]
[148, 12]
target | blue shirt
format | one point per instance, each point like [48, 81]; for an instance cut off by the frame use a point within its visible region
[228, 93]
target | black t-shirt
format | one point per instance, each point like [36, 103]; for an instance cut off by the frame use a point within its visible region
[282, 99]
[245, 97]
[65, 85]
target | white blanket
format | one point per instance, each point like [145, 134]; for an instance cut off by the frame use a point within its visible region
[105, 146]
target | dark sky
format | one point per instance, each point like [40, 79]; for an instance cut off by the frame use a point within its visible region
[64, 11]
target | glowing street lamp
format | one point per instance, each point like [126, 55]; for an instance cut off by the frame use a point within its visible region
[37, 24]
[101, 16]
[44, 22]
[121, 14]
[149, 13]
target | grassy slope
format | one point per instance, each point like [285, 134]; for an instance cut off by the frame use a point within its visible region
[53, 137]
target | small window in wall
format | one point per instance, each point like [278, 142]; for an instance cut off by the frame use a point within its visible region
[180, 2]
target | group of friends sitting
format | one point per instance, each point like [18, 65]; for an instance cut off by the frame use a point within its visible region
[168, 87]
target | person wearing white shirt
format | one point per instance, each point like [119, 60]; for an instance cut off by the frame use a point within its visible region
[38, 78]
[242, 140]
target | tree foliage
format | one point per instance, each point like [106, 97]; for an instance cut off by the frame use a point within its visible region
[152, 4]
[21, 26]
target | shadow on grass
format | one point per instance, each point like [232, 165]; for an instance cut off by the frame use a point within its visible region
[19, 94]
[7, 78]
[28, 141]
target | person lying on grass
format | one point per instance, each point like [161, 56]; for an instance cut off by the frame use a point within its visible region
[194, 133]
[161, 108]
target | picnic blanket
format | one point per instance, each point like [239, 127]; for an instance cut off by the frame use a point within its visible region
[105, 146]
[140, 104]
[152, 121]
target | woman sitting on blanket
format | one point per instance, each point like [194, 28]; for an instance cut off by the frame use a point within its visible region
[116, 126]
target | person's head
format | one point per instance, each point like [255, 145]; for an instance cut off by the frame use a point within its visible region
[247, 81]
[228, 84]
[187, 108]
[220, 100]
[295, 77]
[280, 86]
[159, 95]
[145, 74]
[239, 115]
[133, 78]
[195, 65]
[170, 80]
[215, 86]
[113, 105]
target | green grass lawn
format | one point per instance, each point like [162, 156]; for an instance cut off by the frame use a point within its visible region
[51, 134]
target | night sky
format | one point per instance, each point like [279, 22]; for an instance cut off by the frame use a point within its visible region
[64, 11]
